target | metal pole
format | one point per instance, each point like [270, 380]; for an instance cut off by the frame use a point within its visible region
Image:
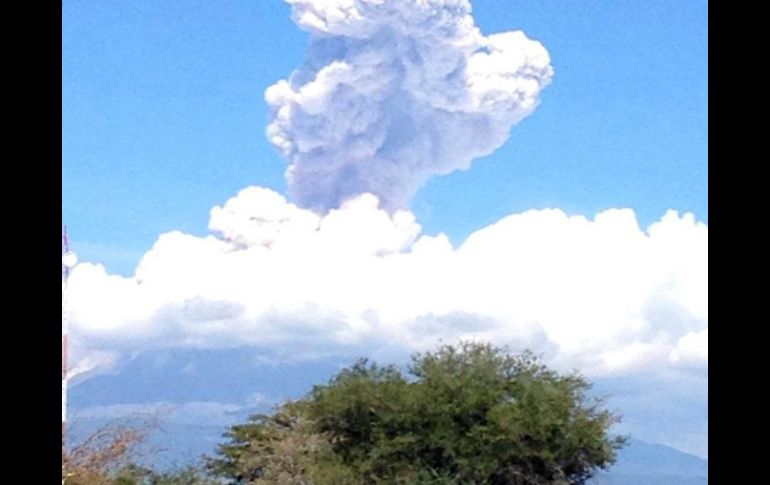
[65, 270]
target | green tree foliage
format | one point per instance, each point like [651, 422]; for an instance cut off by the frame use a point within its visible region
[470, 414]
[138, 475]
[283, 449]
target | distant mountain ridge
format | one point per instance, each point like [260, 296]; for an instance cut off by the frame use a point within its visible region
[647, 480]
[641, 463]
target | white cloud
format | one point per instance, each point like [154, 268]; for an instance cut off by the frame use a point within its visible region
[90, 361]
[393, 93]
[602, 294]
[692, 348]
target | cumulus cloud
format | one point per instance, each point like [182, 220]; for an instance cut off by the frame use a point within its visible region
[392, 93]
[692, 348]
[601, 294]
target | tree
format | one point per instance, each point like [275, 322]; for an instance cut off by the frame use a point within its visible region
[283, 449]
[471, 414]
[134, 474]
[108, 457]
[97, 458]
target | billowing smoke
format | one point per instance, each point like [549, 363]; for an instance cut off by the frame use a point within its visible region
[394, 92]
[391, 93]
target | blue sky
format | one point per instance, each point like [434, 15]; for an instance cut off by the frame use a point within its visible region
[164, 118]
